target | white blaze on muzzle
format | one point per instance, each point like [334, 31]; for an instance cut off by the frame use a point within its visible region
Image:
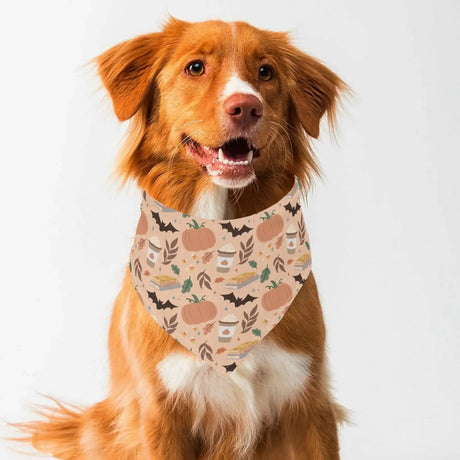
[219, 286]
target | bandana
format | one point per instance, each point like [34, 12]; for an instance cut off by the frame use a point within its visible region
[219, 286]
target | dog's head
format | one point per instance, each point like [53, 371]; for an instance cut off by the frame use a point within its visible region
[221, 102]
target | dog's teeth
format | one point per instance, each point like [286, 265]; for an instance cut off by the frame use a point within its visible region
[246, 162]
[250, 155]
[230, 162]
[221, 157]
[225, 161]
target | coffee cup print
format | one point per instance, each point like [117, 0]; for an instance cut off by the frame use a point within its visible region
[154, 250]
[227, 327]
[291, 239]
[225, 256]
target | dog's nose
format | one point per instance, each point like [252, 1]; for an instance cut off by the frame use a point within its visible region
[244, 109]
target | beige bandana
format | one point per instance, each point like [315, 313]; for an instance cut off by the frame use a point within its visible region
[219, 286]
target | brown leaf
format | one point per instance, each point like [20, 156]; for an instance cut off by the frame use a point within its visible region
[207, 256]
[141, 243]
[279, 242]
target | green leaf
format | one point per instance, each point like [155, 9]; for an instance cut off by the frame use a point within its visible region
[185, 215]
[274, 284]
[306, 244]
[265, 274]
[175, 269]
[130, 268]
[195, 298]
[257, 332]
[195, 224]
[187, 285]
[253, 263]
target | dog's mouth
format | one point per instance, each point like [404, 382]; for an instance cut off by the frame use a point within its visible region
[230, 164]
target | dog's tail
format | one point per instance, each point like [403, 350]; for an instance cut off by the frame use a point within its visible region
[58, 432]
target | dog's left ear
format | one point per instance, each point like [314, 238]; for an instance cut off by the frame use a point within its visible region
[314, 89]
[127, 69]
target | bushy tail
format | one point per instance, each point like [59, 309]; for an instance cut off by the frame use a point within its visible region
[57, 433]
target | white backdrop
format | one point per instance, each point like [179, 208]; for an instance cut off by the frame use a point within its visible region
[384, 224]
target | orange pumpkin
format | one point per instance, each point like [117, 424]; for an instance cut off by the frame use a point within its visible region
[277, 297]
[142, 225]
[198, 312]
[198, 238]
[269, 228]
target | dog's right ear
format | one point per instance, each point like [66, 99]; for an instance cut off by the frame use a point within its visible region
[128, 69]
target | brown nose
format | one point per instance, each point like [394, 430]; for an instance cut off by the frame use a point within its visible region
[244, 109]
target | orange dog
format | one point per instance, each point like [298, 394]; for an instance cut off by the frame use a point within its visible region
[189, 90]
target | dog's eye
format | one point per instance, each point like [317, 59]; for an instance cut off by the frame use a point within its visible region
[195, 68]
[265, 73]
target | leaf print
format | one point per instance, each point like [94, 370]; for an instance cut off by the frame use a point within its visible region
[207, 256]
[219, 280]
[170, 251]
[265, 274]
[278, 262]
[220, 350]
[138, 269]
[147, 273]
[175, 269]
[246, 250]
[208, 328]
[204, 280]
[187, 285]
[141, 243]
[253, 263]
[257, 332]
[205, 351]
[171, 325]
[301, 225]
[279, 242]
[249, 320]
[306, 244]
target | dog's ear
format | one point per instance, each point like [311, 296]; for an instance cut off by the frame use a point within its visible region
[128, 69]
[314, 89]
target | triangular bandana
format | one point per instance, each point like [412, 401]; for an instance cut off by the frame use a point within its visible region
[220, 286]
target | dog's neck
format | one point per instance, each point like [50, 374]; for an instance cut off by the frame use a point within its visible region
[213, 203]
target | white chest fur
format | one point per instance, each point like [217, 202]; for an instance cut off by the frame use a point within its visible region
[264, 381]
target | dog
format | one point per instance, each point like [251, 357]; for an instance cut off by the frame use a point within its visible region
[221, 115]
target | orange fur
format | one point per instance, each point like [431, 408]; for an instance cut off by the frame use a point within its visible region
[139, 419]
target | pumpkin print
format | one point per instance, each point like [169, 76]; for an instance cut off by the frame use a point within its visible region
[198, 310]
[270, 227]
[208, 282]
[277, 296]
[142, 225]
[197, 237]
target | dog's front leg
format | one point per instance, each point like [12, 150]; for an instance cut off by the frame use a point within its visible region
[166, 436]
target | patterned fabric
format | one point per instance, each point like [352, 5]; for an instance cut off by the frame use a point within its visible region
[219, 286]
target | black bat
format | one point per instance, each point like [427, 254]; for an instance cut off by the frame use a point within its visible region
[163, 227]
[230, 367]
[299, 279]
[292, 210]
[234, 230]
[159, 303]
[237, 301]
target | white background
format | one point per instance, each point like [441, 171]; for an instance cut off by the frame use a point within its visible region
[384, 223]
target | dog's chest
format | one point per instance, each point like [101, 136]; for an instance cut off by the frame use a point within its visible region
[267, 379]
[264, 381]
